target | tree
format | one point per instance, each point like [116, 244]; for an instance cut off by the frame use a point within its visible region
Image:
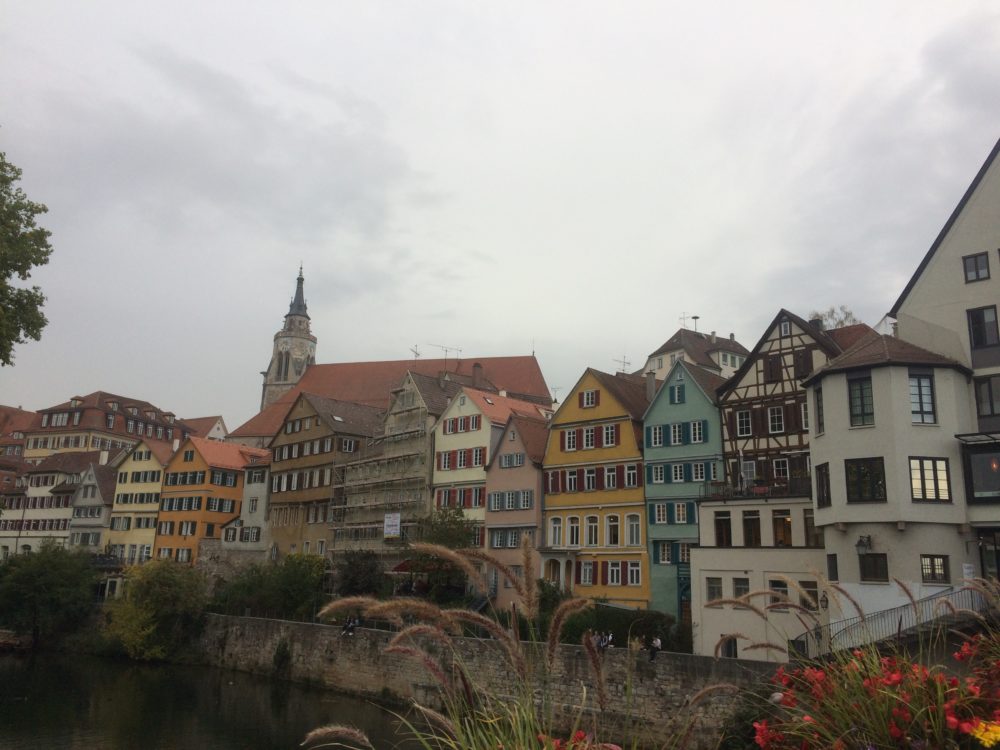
[835, 317]
[448, 527]
[46, 592]
[162, 609]
[359, 572]
[23, 245]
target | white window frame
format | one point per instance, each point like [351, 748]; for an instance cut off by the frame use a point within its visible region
[589, 399]
[610, 478]
[614, 573]
[805, 415]
[569, 440]
[656, 436]
[634, 573]
[775, 420]
[665, 550]
[780, 473]
[555, 532]
[698, 471]
[744, 424]
[660, 513]
[631, 475]
[587, 573]
[609, 436]
[658, 474]
[589, 438]
[677, 472]
[633, 530]
[697, 433]
[680, 513]
[677, 433]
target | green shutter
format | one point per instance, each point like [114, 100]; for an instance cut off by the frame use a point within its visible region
[686, 437]
[675, 551]
[649, 474]
[670, 513]
[687, 472]
[680, 394]
[704, 430]
[656, 553]
[691, 516]
[649, 436]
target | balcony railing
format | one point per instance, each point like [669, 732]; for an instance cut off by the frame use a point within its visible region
[940, 610]
[792, 487]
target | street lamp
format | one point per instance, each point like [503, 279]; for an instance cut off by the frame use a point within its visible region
[864, 544]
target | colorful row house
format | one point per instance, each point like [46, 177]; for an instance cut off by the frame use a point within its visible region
[132, 532]
[682, 455]
[594, 513]
[465, 440]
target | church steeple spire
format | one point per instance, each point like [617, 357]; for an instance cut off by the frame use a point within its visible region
[294, 349]
[298, 306]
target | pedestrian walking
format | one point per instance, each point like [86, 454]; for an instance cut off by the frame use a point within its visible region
[654, 646]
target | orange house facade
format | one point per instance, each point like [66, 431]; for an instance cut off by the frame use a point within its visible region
[202, 491]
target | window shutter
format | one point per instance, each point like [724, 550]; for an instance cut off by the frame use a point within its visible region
[668, 473]
[670, 395]
[670, 513]
[704, 431]
[600, 478]
[563, 485]
[656, 553]
[579, 480]
[649, 474]
[622, 573]
[690, 511]
[759, 421]
[579, 438]
[792, 413]
[579, 569]
[686, 433]
[638, 475]
[620, 475]
[579, 400]
[604, 573]
[618, 438]
[439, 460]
[468, 456]
[731, 424]
[562, 440]
[597, 397]
[680, 394]
[649, 435]
[687, 472]
[675, 552]
[599, 436]
[454, 459]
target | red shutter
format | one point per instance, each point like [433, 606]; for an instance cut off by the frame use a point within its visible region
[468, 423]
[618, 435]
[562, 481]
[454, 460]
[439, 460]
[579, 569]
[579, 399]
[623, 573]
[620, 471]
[468, 456]
[604, 573]
[562, 440]
[579, 438]
[453, 498]
[579, 480]
[600, 477]
[597, 397]
[640, 474]
[731, 424]
[466, 498]
[599, 436]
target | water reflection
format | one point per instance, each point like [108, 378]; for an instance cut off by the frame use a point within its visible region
[82, 702]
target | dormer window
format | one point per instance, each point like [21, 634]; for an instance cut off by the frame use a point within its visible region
[786, 328]
[133, 411]
[74, 402]
[113, 405]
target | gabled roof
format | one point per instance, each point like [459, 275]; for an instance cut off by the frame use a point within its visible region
[14, 419]
[628, 390]
[498, 409]
[94, 405]
[345, 417]
[823, 338]
[847, 336]
[201, 426]
[894, 312]
[221, 455]
[435, 392]
[371, 383]
[534, 433]
[709, 382]
[106, 478]
[880, 350]
[699, 346]
[69, 463]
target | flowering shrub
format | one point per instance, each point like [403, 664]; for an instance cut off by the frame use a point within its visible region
[869, 700]
[579, 740]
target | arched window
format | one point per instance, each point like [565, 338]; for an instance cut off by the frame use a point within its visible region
[591, 540]
[633, 530]
[574, 532]
[555, 532]
[612, 535]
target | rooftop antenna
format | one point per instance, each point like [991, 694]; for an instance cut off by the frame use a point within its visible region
[683, 319]
[415, 351]
[446, 350]
[555, 393]
[625, 363]
[695, 319]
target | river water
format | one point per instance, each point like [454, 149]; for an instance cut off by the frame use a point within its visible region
[86, 703]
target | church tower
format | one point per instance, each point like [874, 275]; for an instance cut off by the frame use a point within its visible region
[294, 350]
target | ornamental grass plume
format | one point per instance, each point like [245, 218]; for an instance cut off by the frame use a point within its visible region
[335, 735]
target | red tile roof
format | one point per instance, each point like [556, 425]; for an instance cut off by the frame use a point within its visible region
[221, 455]
[848, 336]
[370, 383]
[498, 409]
[201, 426]
[534, 434]
[628, 390]
[699, 346]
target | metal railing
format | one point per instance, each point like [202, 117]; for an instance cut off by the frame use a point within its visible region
[793, 487]
[896, 622]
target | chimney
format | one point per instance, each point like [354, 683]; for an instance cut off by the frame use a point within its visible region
[441, 379]
[103, 458]
[817, 322]
[732, 337]
[477, 375]
[712, 337]
[650, 385]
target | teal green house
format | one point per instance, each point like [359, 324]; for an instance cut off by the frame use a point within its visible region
[683, 454]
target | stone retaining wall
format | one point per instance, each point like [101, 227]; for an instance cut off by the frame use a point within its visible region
[641, 694]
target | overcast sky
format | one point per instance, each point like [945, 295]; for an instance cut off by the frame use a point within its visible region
[564, 177]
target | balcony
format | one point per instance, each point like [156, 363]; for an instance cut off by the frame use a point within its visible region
[792, 487]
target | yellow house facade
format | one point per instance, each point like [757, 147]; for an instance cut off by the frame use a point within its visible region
[594, 518]
[137, 501]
